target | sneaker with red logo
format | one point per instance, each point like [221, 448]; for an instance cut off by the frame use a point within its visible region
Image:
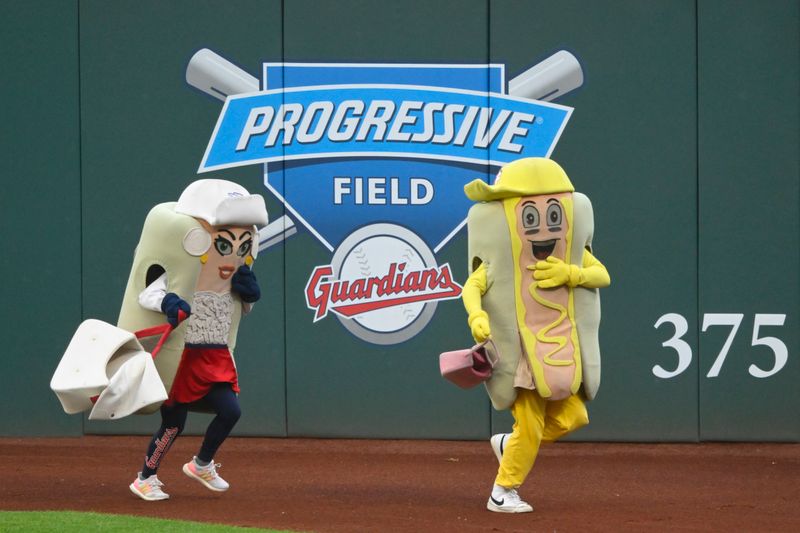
[148, 489]
[207, 475]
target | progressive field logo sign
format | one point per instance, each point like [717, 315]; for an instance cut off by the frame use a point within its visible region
[372, 160]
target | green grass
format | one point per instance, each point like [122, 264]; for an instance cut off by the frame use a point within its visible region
[72, 521]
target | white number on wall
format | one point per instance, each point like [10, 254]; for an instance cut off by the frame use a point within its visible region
[683, 350]
[733, 321]
[777, 345]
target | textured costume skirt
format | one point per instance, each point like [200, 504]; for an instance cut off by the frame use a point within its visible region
[200, 368]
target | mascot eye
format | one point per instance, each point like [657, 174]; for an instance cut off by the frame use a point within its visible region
[530, 217]
[223, 246]
[244, 248]
[554, 215]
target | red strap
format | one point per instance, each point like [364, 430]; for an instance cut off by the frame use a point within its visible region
[163, 329]
[153, 330]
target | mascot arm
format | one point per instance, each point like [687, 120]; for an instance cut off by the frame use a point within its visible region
[477, 318]
[593, 275]
[156, 298]
[244, 283]
[554, 272]
[152, 295]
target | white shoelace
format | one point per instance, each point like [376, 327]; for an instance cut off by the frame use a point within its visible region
[211, 467]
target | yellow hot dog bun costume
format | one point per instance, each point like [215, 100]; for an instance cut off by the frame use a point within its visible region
[533, 283]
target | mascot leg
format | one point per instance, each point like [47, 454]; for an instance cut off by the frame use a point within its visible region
[564, 416]
[535, 421]
[522, 447]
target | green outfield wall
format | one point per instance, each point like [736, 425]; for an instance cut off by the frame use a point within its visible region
[685, 133]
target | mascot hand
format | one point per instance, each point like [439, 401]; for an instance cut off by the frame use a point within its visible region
[244, 283]
[176, 309]
[479, 325]
[554, 272]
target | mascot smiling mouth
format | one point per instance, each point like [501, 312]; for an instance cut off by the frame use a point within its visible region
[543, 249]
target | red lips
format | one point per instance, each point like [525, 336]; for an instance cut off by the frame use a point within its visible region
[226, 271]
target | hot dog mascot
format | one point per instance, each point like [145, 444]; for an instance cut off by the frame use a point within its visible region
[533, 290]
[193, 260]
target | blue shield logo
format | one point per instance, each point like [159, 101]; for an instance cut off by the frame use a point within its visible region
[372, 160]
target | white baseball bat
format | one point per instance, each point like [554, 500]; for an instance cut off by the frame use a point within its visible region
[215, 75]
[275, 232]
[552, 78]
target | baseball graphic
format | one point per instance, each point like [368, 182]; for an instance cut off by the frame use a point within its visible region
[370, 252]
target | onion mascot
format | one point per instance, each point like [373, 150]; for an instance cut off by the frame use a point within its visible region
[193, 260]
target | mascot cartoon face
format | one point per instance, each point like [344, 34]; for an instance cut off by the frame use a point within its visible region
[542, 227]
[231, 247]
[223, 241]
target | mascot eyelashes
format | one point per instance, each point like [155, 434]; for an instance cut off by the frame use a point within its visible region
[533, 290]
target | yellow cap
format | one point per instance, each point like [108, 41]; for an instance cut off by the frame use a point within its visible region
[523, 177]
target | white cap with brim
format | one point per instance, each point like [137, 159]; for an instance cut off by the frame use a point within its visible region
[222, 203]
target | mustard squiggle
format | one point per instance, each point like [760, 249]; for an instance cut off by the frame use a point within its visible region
[541, 335]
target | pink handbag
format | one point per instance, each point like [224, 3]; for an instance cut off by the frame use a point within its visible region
[469, 367]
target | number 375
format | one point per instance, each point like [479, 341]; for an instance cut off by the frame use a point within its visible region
[780, 354]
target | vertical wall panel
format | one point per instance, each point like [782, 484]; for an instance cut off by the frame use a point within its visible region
[749, 69]
[339, 385]
[40, 210]
[144, 132]
[631, 147]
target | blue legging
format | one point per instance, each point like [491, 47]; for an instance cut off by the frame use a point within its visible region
[225, 404]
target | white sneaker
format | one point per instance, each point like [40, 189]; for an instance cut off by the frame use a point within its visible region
[148, 489]
[505, 500]
[498, 443]
[207, 475]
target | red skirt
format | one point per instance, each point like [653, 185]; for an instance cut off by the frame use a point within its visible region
[198, 370]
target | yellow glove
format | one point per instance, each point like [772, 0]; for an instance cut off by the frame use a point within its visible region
[554, 272]
[479, 325]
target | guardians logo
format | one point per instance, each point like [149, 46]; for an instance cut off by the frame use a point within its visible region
[372, 160]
